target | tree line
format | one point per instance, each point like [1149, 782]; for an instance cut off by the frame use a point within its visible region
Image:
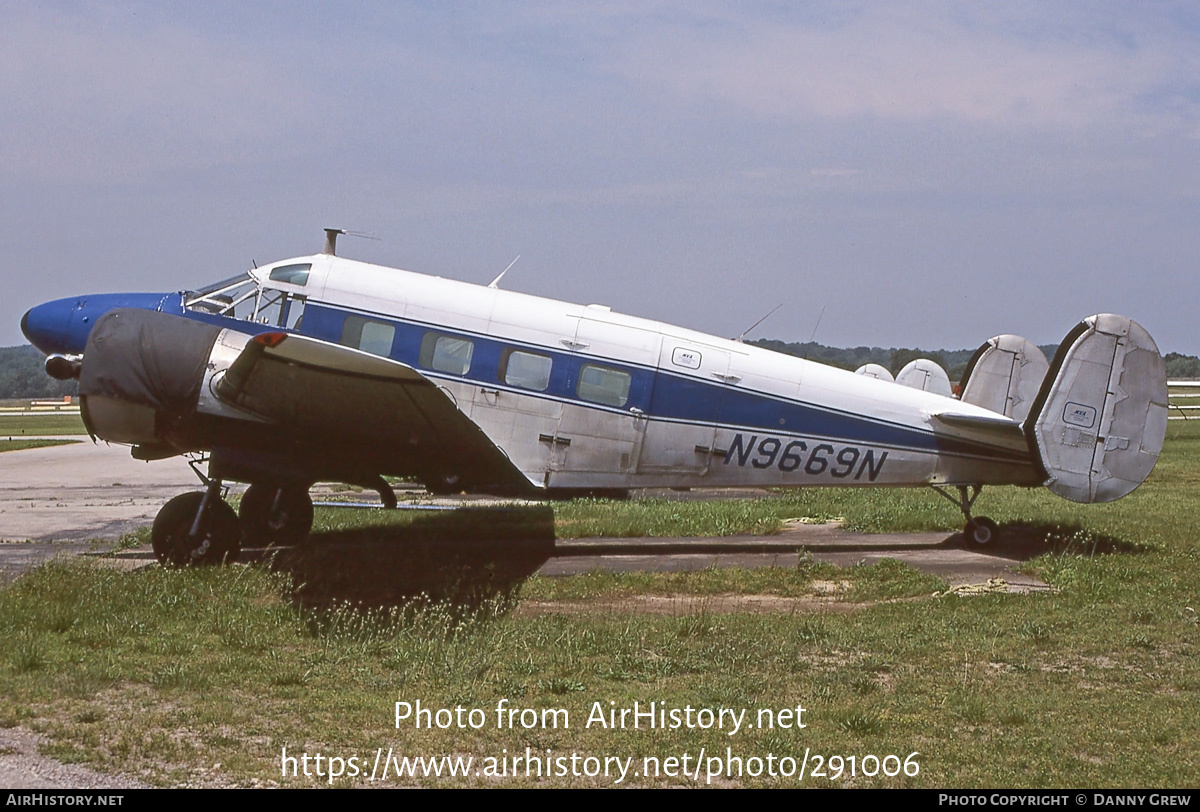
[953, 361]
[22, 375]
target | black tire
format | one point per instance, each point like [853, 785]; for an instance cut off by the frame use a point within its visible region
[269, 523]
[981, 532]
[218, 540]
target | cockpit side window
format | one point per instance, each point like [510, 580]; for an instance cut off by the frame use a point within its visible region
[236, 297]
[241, 297]
[295, 313]
[271, 304]
[292, 274]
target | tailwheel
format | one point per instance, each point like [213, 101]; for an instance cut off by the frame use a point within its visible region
[276, 515]
[981, 531]
[195, 529]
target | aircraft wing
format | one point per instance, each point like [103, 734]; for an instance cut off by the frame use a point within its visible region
[374, 408]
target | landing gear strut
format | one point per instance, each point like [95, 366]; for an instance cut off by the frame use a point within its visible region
[387, 494]
[196, 528]
[980, 531]
[276, 515]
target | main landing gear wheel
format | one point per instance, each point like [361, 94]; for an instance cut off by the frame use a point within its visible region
[216, 537]
[981, 531]
[276, 516]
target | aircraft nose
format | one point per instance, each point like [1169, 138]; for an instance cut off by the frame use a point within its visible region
[47, 326]
[62, 326]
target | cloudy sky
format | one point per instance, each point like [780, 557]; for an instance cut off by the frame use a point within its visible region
[926, 174]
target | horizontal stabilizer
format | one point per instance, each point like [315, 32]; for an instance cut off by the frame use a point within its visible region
[996, 431]
[1098, 423]
[976, 421]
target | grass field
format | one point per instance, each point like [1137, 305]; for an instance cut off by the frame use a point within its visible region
[18, 445]
[18, 424]
[206, 676]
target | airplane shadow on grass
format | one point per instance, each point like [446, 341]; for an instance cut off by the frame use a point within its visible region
[469, 557]
[465, 557]
[1024, 541]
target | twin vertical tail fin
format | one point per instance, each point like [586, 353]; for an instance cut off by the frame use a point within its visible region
[1097, 425]
[1005, 376]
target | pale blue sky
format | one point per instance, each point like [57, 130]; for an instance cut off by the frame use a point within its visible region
[930, 174]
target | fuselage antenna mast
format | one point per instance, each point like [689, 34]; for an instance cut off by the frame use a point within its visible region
[742, 338]
[495, 283]
[331, 235]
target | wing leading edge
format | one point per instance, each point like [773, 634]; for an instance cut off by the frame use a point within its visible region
[379, 409]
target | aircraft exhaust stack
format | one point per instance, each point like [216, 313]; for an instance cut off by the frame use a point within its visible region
[1098, 423]
[63, 367]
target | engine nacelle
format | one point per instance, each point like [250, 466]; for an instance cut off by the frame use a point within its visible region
[141, 375]
[118, 421]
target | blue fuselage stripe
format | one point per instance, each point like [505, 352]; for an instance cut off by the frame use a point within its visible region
[660, 394]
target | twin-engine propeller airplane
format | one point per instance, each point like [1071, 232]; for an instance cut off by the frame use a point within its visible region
[321, 368]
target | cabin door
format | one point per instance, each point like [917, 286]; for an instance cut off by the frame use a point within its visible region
[684, 409]
[604, 422]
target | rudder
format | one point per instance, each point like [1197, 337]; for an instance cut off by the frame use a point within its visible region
[1099, 420]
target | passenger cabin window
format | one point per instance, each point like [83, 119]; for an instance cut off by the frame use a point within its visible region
[367, 335]
[527, 370]
[291, 274]
[603, 385]
[446, 353]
